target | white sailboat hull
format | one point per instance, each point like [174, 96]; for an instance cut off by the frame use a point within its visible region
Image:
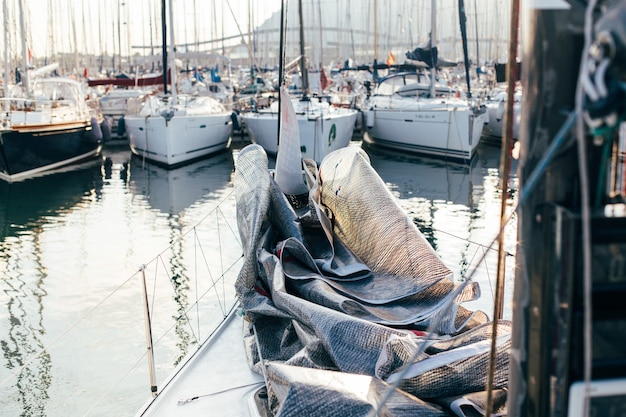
[181, 139]
[320, 132]
[445, 130]
[497, 108]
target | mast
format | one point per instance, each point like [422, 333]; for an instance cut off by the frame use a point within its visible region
[376, 33]
[303, 65]
[100, 43]
[252, 72]
[281, 65]
[5, 74]
[74, 38]
[463, 23]
[476, 26]
[119, 36]
[433, 35]
[321, 34]
[50, 24]
[164, 44]
[172, 52]
[25, 53]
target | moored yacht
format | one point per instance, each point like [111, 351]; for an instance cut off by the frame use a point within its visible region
[402, 114]
[47, 127]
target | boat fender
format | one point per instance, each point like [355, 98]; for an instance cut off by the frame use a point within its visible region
[96, 132]
[369, 118]
[235, 118]
[121, 126]
[105, 127]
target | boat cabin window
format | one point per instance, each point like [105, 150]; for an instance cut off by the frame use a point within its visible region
[392, 84]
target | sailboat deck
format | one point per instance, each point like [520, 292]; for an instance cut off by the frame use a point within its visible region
[220, 374]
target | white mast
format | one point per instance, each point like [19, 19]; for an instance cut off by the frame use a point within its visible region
[25, 81]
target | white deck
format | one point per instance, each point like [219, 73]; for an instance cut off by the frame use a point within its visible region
[217, 374]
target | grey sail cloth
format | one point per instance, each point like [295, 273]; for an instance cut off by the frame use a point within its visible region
[318, 296]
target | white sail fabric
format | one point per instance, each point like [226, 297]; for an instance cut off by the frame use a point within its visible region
[289, 160]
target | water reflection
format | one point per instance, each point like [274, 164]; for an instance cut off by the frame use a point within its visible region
[25, 331]
[25, 209]
[27, 204]
[68, 240]
[171, 192]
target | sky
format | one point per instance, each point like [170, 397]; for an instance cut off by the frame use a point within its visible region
[107, 25]
[104, 27]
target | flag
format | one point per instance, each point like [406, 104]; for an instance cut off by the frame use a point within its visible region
[391, 59]
[324, 79]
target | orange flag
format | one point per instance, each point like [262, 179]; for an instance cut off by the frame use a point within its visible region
[391, 59]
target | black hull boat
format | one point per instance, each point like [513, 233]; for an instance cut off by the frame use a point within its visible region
[27, 153]
[48, 128]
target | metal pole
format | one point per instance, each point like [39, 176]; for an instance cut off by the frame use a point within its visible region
[433, 42]
[164, 44]
[25, 80]
[5, 74]
[148, 324]
[303, 64]
[281, 65]
[505, 167]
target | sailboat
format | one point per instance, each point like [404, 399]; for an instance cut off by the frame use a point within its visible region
[329, 312]
[323, 127]
[495, 107]
[172, 129]
[45, 123]
[314, 352]
[410, 114]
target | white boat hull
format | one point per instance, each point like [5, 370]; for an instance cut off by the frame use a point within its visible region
[495, 127]
[451, 132]
[179, 140]
[320, 134]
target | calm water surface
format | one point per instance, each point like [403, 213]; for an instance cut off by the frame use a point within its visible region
[76, 246]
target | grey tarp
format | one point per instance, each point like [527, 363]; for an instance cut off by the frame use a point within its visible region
[344, 297]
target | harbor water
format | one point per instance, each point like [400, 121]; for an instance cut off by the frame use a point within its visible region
[78, 247]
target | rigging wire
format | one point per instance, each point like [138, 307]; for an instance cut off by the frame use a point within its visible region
[243, 39]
